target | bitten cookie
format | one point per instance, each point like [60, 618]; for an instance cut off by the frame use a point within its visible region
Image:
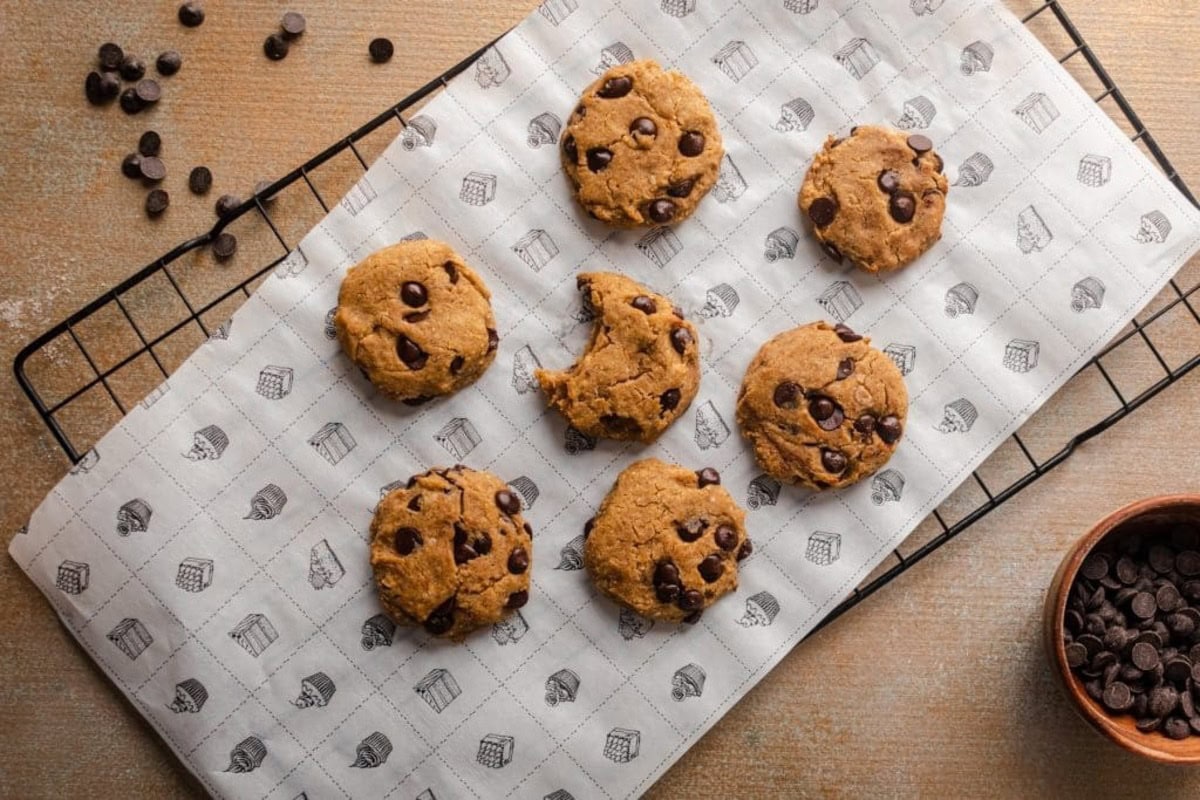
[666, 541]
[417, 320]
[642, 147]
[876, 197]
[641, 367]
[821, 407]
[451, 551]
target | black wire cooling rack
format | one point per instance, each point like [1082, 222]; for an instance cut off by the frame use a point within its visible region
[79, 388]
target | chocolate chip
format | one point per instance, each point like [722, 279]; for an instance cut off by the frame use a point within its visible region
[834, 461]
[200, 180]
[508, 502]
[691, 530]
[275, 47]
[131, 166]
[1144, 656]
[681, 188]
[381, 51]
[1168, 598]
[100, 88]
[691, 144]
[517, 599]
[1117, 697]
[451, 271]
[1076, 655]
[889, 429]
[598, 158]
[441, 619]
[669, 399]
[666, 574]
[415, 503]
[570, 149]
[152, 168]
[110, 56]
[292, 24]
[1143, 605]
[902, 206]
[528, 530]
[845, 368]
[711, 568]
[661, 211]
[691, 600]
[726, 537]
[456, 364]
[680, 339]
[493, 340]
[410, 352]
[1163, 700]
[413, 294]
[148, 91]
[644, 304]
[226, 204]
[587, 528]
[518, 561]
[1161, 559]
[832, 251]
[130, 102]
[865, 424]
[581, 111]
[406, 540]
[1091, 643]
[1094, 567]
[787, 394]
[745, 550]
[168, 62]
[828, 414]
[643, 126]
[621, 426]
[939, 164]
[1177, 669]
[1187, 563]
[132, 68]
[667, 592]
[707, 476]
[845, 333]
[150, 144]
[919, 143]
[1126, 571]
[888, 181]
[616, 87]
[191, 14]
[822, 211]
[224, 246]
[156, 202]
[416, 316]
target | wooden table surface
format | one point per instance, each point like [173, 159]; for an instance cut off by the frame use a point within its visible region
[935, 686]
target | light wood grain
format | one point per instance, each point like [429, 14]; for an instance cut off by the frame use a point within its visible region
[935, 687]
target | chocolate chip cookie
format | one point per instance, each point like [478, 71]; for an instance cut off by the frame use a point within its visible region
[666, 541]
[451, 551]
[876, 197]
[642, 147]
[821, 407]
[641, 368]
[416, 320]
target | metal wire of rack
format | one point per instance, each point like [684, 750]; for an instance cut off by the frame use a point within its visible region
[1016, 464]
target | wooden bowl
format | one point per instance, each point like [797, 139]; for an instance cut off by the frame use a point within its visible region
[1166, 509]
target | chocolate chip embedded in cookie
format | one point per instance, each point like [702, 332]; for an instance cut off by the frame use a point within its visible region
[642, 146]
[666, 541]
[641, 368]
[451, 551]
[821, 407]
[876, 197]
[416, 320]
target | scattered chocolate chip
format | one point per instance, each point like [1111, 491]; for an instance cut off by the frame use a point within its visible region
[691, 144]
[667, 592]
[226, 204]
[381, 50]
[680, 339]
[1076, 655]
[1117, 697]
[587, 528]
[832, 251]
[150, 144]
[745, 550]
[902, 207]
[168, 62]
[1094, 567]
[890, 429]
[692, 529]
[101, 88]
[865, 424]
[570, 150]
[132, 68]
[939, 164]
[451, 271]
[528, 529]
[711, 568]
[410, 352]
[441, 619]
[508, 502]
[669, 399]
[726, 537]
[407, 539]
[691, 600]
[666, 574]
[834, 461]
[681, 188]
[822, 211]
[148, 91]
[919, 143]
[643, 126]
[517, 599]
[787, 394]
[616, 87]
[707, 476]
[153, 169]
[415, 503]
[888, 181]
[661, 211]
[493, 340]
[131, 166]
[191, 15]
[200, 180]
[644, 304]
[275, 47]
[456, 365]
[846, 334]
[598, 159]
[130, 102]
[518, 561]
[828, 414]
[416, 316]
[413, 294]
[110, 56]
[156, 202]
[292, 24]
[845, 368]
[224, 246]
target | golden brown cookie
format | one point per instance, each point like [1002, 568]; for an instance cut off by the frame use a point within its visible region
[821, 407]
[641, 368]
[642, 147]
[876, 197]
[451, 551]
[666, 541]
[417, 320]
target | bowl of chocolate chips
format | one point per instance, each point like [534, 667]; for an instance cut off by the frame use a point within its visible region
[1122, 627]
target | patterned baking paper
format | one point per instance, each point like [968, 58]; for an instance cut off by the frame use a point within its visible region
[210, 553]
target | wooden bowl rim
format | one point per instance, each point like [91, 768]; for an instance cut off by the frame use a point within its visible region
[1151, 745]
